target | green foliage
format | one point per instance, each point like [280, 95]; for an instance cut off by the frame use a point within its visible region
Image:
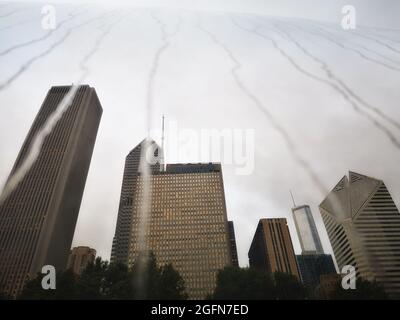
[238, 283]
[101, 280]
[251, 284]
[90, 284]
[117, 282]
[365, 290]
[288, 287]
[65, 288]
[172, 286]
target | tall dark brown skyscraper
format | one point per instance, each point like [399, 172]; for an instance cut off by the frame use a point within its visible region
[37, 220]
[232, 241]
[122, 237]
[272, 248]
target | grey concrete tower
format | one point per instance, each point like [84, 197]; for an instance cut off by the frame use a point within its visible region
[363, 225]
[122, 237]
[37, 220]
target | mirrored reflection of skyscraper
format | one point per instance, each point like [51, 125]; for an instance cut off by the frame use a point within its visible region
[363, 225]
[37, 220]
[306, 230]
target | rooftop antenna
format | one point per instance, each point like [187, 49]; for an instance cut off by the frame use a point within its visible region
[162, 143]
[291, 194]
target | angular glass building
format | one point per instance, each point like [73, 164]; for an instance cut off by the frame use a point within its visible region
[363, 225]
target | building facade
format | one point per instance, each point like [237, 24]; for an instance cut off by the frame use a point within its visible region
[363, 225]
[37, 220]
[186, 225]
[79, 258]
[312, 262]
[232, 241]
[307, 230]
[122, 237]
[272, 249]
[313, 266]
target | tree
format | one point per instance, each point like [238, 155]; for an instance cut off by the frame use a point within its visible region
[238, 283]
[65, 288]
[252, 284]
[365, 290]
[145, 276]
[288, 287]
[158, 283]
[101, 280]
[171, 284]
[117, 282]
[90, 284]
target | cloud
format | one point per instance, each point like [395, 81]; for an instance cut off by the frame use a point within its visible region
[194, 86]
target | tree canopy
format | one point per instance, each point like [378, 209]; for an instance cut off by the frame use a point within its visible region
[365, 290]
[288, 287]
[252, 284]
[146, 280]
[238, 283]
[101, 280]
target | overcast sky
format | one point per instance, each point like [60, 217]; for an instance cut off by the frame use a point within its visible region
[280, 71]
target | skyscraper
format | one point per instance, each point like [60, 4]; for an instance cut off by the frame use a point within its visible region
[312, 262]
[363, 225]
[232, 240]
[307, 230]
[189, 226]
[37, 220]
[122, 237]
[313, 266]
[271, 249]
[187, 218]
[79, 258]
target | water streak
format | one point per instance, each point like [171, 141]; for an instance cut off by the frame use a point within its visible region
[72, 16]
[27, 64]
[52, 120]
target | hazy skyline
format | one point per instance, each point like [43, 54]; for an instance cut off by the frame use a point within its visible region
[194, 86]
